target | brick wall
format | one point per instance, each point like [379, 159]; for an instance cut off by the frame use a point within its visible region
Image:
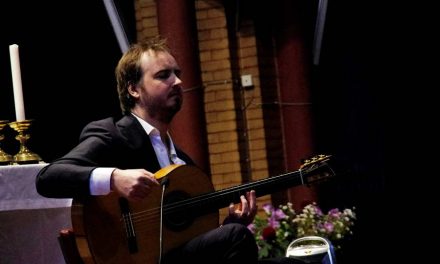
[146, 19]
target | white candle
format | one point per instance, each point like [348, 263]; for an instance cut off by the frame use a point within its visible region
[16, 82]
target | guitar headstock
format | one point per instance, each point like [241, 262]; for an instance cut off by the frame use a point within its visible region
[314, 160]
[317, 168]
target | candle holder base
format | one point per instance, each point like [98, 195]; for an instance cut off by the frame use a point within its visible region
[5, 158]
[26, 158]
[24, 155]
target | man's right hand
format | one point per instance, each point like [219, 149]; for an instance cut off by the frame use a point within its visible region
[133, 184]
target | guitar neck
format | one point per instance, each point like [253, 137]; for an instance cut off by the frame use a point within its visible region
[211, 202]
[263, 187]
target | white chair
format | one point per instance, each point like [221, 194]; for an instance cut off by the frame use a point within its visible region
[312, 249]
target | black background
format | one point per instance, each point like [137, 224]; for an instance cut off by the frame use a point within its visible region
[68, 52]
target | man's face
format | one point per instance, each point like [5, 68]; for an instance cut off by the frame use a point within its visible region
[160, 87]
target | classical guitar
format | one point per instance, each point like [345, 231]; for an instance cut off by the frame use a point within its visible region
[109, 229]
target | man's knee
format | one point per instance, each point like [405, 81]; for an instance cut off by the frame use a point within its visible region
[238, 230]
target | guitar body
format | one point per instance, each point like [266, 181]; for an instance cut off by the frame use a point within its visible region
[101, 230]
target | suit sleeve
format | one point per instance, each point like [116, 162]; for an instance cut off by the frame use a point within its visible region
[68, 177]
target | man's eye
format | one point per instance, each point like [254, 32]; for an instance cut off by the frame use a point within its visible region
[163, 74]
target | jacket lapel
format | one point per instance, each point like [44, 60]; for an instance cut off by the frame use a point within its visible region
[138, 141]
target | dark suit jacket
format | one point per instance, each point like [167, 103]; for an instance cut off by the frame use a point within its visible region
[105, 143]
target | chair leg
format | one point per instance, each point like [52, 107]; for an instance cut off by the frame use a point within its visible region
[69, 247]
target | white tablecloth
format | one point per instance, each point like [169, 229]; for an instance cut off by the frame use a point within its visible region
[29, 223]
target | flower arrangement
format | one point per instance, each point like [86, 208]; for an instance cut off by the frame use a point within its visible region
[282, 225]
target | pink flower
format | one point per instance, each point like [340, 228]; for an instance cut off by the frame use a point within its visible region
[274, 215]
[329, 227]
[334, 213]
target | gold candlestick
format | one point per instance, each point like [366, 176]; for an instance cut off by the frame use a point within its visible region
[24, 155]
[5, 158]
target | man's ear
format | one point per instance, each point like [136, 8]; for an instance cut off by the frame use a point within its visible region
[133, 91]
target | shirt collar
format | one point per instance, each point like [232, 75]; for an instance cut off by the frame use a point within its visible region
[152, 131]
[147, 127]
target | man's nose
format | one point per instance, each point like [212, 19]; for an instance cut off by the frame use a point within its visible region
[177, 80]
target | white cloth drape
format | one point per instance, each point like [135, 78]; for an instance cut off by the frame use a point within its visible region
[29, 223]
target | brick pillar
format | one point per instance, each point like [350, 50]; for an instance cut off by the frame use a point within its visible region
[176, 21]
[293, 65]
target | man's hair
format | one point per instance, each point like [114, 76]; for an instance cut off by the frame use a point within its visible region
[129, 70]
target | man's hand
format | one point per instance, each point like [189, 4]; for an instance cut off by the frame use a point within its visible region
[133, 184]
[246, 211]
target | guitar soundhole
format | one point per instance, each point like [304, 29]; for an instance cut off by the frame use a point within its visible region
[177, 218]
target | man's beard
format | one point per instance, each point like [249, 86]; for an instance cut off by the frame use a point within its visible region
[162, 112]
